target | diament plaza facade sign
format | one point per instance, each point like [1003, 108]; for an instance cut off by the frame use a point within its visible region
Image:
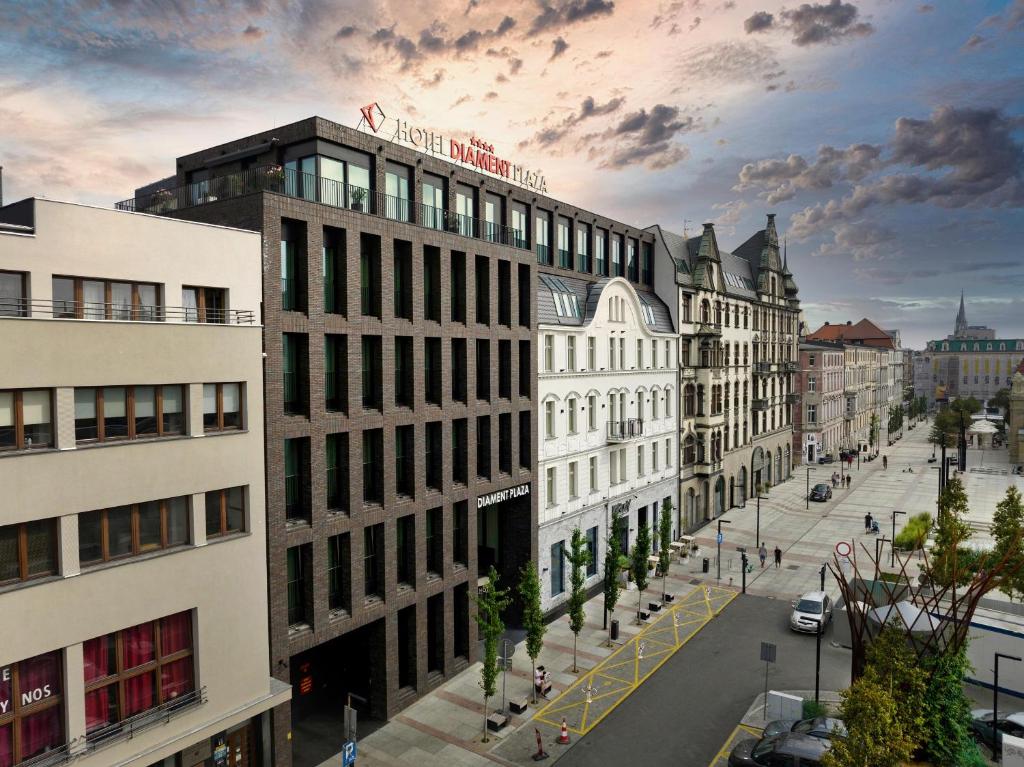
[475, 153]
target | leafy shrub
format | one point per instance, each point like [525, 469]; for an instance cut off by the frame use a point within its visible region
[914, 534]
[812, 709]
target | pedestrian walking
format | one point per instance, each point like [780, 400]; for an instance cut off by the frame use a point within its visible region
[848, 480]
[763, 554]
[778, 557]
[867, 521]
[885, 463]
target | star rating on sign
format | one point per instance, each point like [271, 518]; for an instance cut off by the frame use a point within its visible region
[480, 144]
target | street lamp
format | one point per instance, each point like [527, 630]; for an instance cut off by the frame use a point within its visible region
[892, 557]
[718, 540]
[808, 499]
[757, 533]
[878, 553]
[817, 654]
[995, 703]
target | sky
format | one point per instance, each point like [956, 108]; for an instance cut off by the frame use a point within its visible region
[887, 135]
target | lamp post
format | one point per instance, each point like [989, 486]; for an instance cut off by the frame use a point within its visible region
[817, 655]
[757, 533]
[892, 556]
[718, 541]
[995, 703]
[878, 553]
[821, 572]
[807, 501]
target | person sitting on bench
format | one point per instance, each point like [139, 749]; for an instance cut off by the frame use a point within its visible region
[542, 682]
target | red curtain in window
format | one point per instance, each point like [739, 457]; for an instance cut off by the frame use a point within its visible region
[7, 745]
[176, 633]
[42, 674]
[138, 645]
[139, 694]
[98, 711]
[41, 732]
[97, 658]
[176, 679]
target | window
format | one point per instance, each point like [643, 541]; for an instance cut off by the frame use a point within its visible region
[402, 277]
[295, 348]
[646, 311]
[639, 354]
[373, 560]
[505, 443]
[483, 290]
[617, 265]
[592, 550]
[435, 541]
[372, 374]
[25, 419]
[204, 304]
[373, 466]
[405, 532]
[543, 236]
[396, 190]
[812, 414]
[432, 370]
[130, 412]
[611, 354]
[460, 532]
[460, 454]
[405, 465]
[82, 298]
[335, 271]
[549, 419]
[557, 568]
[369, 275]
[465, 210]
[552, 496]
[525, 443]
[483, 369]
[222, 406]
[126, 531]
[549, 353]
[434, 456]
[639, 460]
[812, 383]
[225, 511]
[634, 264]
[14, 295]
[483, 447]
[592, 412]
[336, 373]
[654, 456]
[647, 263]
[136, 669]
[296, 461]
[337, 456]
[583, 262]
[434, 201]
[339, 557]
[458, 291]
[668, 453]
[525, 378]
[654, 404]
[570, 353]
[403, 371]
[494, 217]
[567, 303]
[613, 467]
[293, 266]
[593, 474]
[622, 354]
[519, 225]
[601, 251]
[33, 722]
[296, 586]
[505, 369]
[28, 550]
[591, 353]
[573, 485]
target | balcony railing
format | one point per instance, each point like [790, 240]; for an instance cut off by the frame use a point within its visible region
[307, 186]
[116, 312]
[706, 468]
[127, 728]
[621, 431]
[759, 404]
[792, 398]
[709, 329]
[790, 367]
[763, 367]
[688, 372]
[50, 758]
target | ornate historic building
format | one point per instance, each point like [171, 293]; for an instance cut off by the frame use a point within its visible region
[737, 316]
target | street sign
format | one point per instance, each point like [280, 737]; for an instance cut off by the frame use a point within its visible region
[348, 754]
[720, 538]
[843, 549]
[768, 652]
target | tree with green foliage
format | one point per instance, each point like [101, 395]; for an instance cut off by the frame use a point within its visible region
[490, 604]
[874, 735]
[873, 430]
[966, 405]
[948, 712]
[951, 531]
[915, 533]
[533, 618]
[1001, 400]
[944, 429]
[665, 543]
[641, 550]
[611, 575]
[1007, 531]
[579, 558]
[891, 663]
[922, 406]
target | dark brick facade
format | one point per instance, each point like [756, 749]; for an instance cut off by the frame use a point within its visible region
[265, 211]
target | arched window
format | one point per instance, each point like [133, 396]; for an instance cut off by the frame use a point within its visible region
[718, 312]
[700, 399]
[689, 449]
[705, 311]
[689, 400]
[701, 452]
[668, 402]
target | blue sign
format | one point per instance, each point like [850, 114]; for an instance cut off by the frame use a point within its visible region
[721, 537]
[348, 754]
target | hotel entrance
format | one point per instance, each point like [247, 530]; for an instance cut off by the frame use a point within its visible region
[504, 535]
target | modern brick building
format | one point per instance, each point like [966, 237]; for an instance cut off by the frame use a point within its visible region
[400, 336]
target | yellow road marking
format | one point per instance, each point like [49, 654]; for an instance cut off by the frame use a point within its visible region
[731, 741]
[573, 697]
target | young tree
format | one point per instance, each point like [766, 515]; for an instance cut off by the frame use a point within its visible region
[891, 663]
[1008, 530]
[951, 531]
[922, 406]
[944, 429]
[1001, 400]
[873, 430]
[533, 618]
[611, 576]
[874, 736]
[665, 542]
[966, 405]
[579, 558]
[490, 604]
[948, 713]
[641, 550]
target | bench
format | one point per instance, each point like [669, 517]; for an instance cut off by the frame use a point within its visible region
[496, 721]
[654, 607]
[668, 597]
[517, 705]
[645, 615]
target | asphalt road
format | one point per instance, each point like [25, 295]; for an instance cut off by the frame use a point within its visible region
[685, 712]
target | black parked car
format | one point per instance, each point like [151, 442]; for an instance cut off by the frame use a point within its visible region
[825, 459]
[785, 749]
[819, 727]
[821, 492]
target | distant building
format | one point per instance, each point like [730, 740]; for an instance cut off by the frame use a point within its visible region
[962, 368]
[965, 332]
[818, 423]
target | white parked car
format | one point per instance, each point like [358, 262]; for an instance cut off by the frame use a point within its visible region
[811, 612]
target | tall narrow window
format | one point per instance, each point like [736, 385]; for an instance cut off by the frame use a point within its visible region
[525, 443]
[295, 347]
[434, 457]
[592, 550]
[583, 260]
[494, 218]
[293, 266]
[591, 353]
[525, 295]
[525, 378]
[404, 372]
[558, 568]
[592, 412]
[483, 290]
[520, 223]
[403, 279]
[483, 369]
[405, 530]
[542, 233]
[505, 369]
[296, 587]
[296, 488]
[564, 243]
[336, 455]
[458, 279]
[405, 461]
[434, 201]
[373, 561]
[460, 533]
[369, 275]
[505, 443]
[505, 293]
[460, 458]
[373, 466]
[372, 374]
[465, 210]
[618, 269]
[335, 271]
[336, 373]
[339, 563]
[431, 283]
[570, 353]
[396, 192]
[460, 370]
[483, 447]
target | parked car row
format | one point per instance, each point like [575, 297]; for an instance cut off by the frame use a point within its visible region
[787, 742]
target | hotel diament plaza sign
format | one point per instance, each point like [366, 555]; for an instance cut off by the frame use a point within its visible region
[475, 153]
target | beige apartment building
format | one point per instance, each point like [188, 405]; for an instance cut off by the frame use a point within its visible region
[132, 519]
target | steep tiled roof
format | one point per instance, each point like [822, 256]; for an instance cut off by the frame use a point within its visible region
[864, 332]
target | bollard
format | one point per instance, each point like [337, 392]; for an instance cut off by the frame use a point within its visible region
[541, 753]
[564, 737]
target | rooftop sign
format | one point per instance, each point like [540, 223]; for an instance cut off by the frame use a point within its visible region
[475, 153]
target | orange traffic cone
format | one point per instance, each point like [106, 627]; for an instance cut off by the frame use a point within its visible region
[564, 737]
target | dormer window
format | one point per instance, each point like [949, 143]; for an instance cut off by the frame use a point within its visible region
[567, 304]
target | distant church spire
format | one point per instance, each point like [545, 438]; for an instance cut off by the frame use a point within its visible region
[960, 329]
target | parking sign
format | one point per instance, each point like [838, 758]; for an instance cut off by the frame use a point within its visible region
[348, 754]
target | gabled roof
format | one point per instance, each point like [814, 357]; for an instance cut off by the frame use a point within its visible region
[588, 294]
[864, 333]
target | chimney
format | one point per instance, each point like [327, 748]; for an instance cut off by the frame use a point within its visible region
[771, 218]
[709, 227]
[849, 322]
[826, 322]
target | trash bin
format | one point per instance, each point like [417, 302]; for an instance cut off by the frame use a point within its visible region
[615, 629]
[706, 565]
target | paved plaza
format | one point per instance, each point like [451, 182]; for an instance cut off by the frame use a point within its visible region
[701, 651]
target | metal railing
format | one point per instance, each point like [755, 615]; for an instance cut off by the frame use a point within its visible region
[763, 367]
[709, 329]
[127, 728]
[117, 312]
[759, 404]
[52, 757]
[629, 428]
[790, 367]
[308, 186]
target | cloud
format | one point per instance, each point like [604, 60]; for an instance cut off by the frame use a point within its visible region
[925, 8]
[558, 47]
[727, 63]
[551, 135]
[555, 14]
[252, 32]
[973, 42]
[345, 32]
[781, 180]
[1010, 19]
[962, 157]
[813, 23]
[645, 137]
[759, 22]
[603, 54]
[434, 80]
